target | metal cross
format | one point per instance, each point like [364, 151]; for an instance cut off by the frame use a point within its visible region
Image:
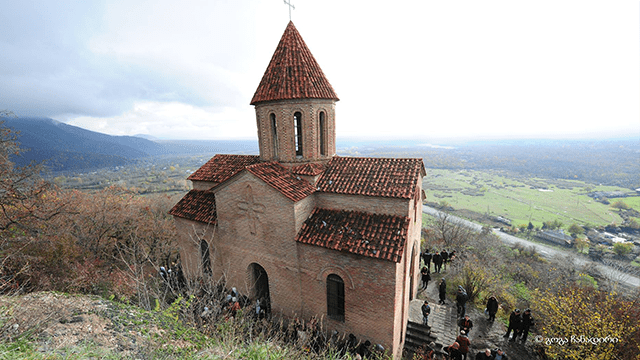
[251, 209]
[290, 7]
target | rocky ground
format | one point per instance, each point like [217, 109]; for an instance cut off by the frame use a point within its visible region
[77, 326]
[59, 326]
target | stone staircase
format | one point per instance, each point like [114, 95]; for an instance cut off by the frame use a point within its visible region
[442, 329]
[416, 336]
[445, 326]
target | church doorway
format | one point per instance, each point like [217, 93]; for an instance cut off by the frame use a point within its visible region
[259, 285]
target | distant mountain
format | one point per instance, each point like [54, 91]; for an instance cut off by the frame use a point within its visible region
[65, 147]
[146, 136]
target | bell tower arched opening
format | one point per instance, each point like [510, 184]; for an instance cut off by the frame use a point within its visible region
[297, 128]
[274, 135]
[321, 133]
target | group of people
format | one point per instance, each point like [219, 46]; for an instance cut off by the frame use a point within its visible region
[173, 277]
[440, 259]
[459, 350]
[359, 350]
[520, 324]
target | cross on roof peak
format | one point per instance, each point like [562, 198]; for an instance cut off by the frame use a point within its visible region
[288, 3]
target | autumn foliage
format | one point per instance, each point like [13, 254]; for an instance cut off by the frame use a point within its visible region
[109, 242]
[583, 323]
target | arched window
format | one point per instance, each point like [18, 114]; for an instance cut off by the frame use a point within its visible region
[335, 297]
[321, 130]
[206, 257]
[297, 127]
[274, 134]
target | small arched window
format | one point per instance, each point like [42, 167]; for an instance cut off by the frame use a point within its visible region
[274, 134]
[206, 257]
[297, 126]
[321, 130]
[335, 297]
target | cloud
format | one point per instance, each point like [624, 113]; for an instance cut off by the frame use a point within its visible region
[421, 69]
[173, 120]
[99, 59]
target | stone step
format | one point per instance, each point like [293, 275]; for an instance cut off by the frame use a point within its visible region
[418, 333]
[418, 327]
[445, 326]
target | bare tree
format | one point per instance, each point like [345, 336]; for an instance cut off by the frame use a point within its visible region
[23, 193]
[450, 231]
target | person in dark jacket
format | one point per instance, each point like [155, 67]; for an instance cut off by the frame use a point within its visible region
[461, 301]
[426, 277]
[527, 322]
[465, 324]
[515, 322]
[454, 351]
[364, 350]
[485, 355]
[437, 262]
[442, 291]
[452, 256]
[426, 310]
[498, 354]
[426, 256]
[464, 342]
[445, 258]
[492, 307]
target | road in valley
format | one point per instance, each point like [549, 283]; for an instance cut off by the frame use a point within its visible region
[547, 252]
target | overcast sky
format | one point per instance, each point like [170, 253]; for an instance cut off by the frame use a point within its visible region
[431, 70]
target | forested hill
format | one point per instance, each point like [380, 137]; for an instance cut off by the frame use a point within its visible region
[65, 147]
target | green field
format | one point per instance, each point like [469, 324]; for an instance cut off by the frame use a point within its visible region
[519, 198]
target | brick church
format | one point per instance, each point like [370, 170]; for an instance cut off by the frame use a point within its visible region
[308, 232]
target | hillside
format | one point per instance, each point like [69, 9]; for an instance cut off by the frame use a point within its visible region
[69, 148]
[65, 147]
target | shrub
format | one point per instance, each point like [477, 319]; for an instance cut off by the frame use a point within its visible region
[576, 314]
[622, 249]
[620, 205]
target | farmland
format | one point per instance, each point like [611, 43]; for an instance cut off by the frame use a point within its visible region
[522, 199]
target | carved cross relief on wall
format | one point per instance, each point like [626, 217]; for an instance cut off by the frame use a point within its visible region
[250, 209]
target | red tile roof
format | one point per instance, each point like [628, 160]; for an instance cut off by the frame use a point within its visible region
[310, 169]
[372, 235]
[197, 205]
[222, 167]
[386, 177]
[281, 179]
[293, 73]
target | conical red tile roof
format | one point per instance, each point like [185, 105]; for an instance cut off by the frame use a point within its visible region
[293, 73]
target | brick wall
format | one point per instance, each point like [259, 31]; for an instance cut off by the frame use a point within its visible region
[272, 246]
[284, 110]
[376, 205]
[369, 292]
[189, 235]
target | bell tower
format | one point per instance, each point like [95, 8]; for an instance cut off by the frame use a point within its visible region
[295, 106]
